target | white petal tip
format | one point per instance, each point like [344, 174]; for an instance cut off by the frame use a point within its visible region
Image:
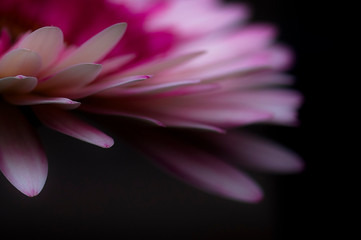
[256, 198]
[297, 167]
[32, 193]
[108, 144]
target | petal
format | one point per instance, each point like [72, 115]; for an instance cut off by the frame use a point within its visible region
[276, 57]
[95, 48]
[108, 111]
[223, 117]
[256, 153]
[46, 41]
[20, 62]
[189, 90]
[101, 86]
[197, 167]
[257, 80]
[283, 104]
[18, 84]
[25, 100]
[211, 18]
[206, 111]
[163, 64]
[66, 123]
[152, 89]
[22, 159]
[71, 78]
[191, 124]
[110, 65]
[235, 45]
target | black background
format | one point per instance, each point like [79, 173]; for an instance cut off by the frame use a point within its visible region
[91, 191]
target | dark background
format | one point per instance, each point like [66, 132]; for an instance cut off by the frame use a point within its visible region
[96, 192]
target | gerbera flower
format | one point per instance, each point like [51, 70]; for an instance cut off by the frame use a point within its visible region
[190, 82]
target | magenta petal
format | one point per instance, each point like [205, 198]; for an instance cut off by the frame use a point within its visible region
[200, 168]
[68, 124]
[22, 159]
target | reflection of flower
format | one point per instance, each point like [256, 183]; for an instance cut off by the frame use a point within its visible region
[181, 64]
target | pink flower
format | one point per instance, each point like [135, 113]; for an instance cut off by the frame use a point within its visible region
[192, 80]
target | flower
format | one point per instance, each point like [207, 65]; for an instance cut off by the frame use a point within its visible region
[39, 71]
[190, 81]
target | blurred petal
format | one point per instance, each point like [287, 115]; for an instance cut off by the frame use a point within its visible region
[95, 48]
[22, 159]
[163, 64]
[110, 65]
[101, 86]
[20, 62]
[106, 110]
[257, 153]
[199, 168]
[26, 100]
[46, 41]
[161, 87]
[71, 78]
[224, 117]
[18, 84]
[191, 124]
[64, 122]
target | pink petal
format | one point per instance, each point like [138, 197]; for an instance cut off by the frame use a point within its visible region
[203, 111]
[20, 62]
[276, 57]
[235, 45]
[18, 84]
[110, 65]
[188, 123]
[163, 64]
[100, 86]
[256, 153]
[66, 123]
[22, 159]
[71, 78]
[225, 117]
[46, 41]
[161, 87]
[95, 48]
[198, 17]
[24, 100]
[189, 90]
[199, 168]
[109, 111]
[256, 80]
[283, 104]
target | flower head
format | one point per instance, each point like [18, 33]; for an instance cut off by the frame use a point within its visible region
[191, 82]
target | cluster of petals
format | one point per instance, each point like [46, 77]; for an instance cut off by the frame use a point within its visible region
[215, 77]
